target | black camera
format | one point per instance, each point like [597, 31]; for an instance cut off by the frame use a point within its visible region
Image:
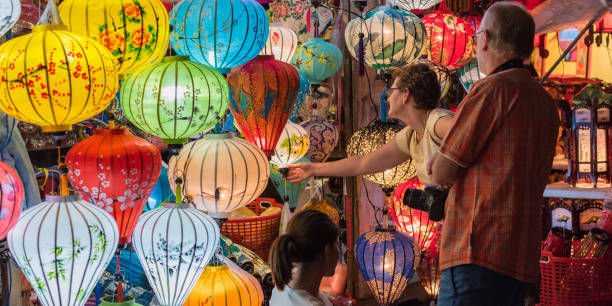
[431, 200]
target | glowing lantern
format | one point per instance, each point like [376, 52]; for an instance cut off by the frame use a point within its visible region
[219, 33]
[448, 40]
[174, 243]
[281, 43]
[469, 74]
[134, 31]
[54, 78]
[292, 14]
[262, 94]
[442, 73]
[317, 60]
[221, 173]
[225, 284]
[323, 138]
[161, 192]
[429, 269]
[175, 99]
[10, 10]
[302, 94]
[289, 192]
[11, 198]
[473, 22]
[62, 246]
[416, 4]
[118, 170]
[292, 145]
[386, 261]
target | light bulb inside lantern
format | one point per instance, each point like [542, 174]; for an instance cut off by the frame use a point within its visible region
[388, 263]
[169, 93]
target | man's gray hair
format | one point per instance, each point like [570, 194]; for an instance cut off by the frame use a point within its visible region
[511, 29]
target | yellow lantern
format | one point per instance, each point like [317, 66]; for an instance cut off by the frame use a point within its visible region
[55, 78]
[136, 32]
[324, 207]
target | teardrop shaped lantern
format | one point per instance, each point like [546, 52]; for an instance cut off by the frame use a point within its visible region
[62, 246]
[292, 145]
[10, 10]
[469, 74]
[386, 261]
[408, 5]
[262, 94]
[317, 60]
[323, 138]
[288, 191]
[175, 98]
[174, 243]
[221, 173]
[11, 198]
[281, 43]
[448, 40]
[219, 33]
[134, 31]
[118, 170]
[302, 94]
[55, 78]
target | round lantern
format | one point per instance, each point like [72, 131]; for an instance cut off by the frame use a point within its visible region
[373, 137]
[174, 243]
[55, 78]
[281, 43]
[292, 145]
[221, 173]
[118, 170]
[324, 207]
[11, 198]
[288, 191]
[62, 246]
[262, 94]
[469, 74]
[386, 261]
[429, 270]
[225, 284]
[444, 78]
[175, 98]
[448, 40]
[391, 38]
[323, 138]
[473, 22]
[302, 94]
[134, 31]
[416, 4]
[10, 10]
[219, 33]
[317, 60]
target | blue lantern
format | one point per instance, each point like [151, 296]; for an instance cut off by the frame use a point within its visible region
[161, 191]
[289, 192]
[304, 90]
[317, 60]
[219, 33]
[386, 261]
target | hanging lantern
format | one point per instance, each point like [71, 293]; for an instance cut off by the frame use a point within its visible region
[62, 246]
[219, 33]
[323, 138]
[409, 5]
[118, 170]
[288, 191]
[175, 99]
[292, 145]
[386, 261]
[444, 78]
[448, 40]
[473, 22]
[10, 10]
[469, 74]
[134, 31]
[54, 78]
[262, 94]
[225, 284]
[324, 207]
[221, 173]
[281, 43]
[11, 198]
[292, 14]
[174, 243]
[429, 269]
[161, 192]
[302, 94]
[391, 38]
[317, 60]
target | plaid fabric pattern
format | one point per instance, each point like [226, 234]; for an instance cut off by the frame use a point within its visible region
[504, 137]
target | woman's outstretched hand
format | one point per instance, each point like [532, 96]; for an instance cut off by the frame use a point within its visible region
[300, 172]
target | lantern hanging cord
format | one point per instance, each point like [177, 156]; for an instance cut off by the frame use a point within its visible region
[374, 207]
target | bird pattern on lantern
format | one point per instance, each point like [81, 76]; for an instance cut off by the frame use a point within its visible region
[469, 74]
[448, 40]
[10, 10]
[317, 60]
[11, 198]
[409, 5]
[136, 32]
[292, 145]
[281, 43]
[55, 78]
[323, 138]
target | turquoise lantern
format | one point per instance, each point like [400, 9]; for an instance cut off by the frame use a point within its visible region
[219, 33]
[289, 192]
[317, 60]
[302, 94]
[161, 192]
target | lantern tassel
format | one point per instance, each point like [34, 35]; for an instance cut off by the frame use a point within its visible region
[119, 279]
[361, 55]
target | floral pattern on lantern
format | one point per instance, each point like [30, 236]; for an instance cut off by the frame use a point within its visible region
[219, 33]
[317, 60]
[118, 170]
[62, 246]
[54, 78]
[408, 5]
[11, 198]
[281, 43]
[323, 138]
[469, 74]
[10, 10]
[292, 145]
[175, 98]
[302, 94]
[288, 191]
[291, 14]
[134, 31]
[448, 40]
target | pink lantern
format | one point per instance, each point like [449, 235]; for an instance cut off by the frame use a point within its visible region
[11, 198]
[448, 40]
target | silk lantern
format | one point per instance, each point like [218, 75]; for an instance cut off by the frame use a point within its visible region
[416, 4]
[219, 33]
[161, 192]
[292, 14]
[323, 138]
[175, 98]
[10, 10]
[11, 198]
[134, 31]
[62, 246]
[448, 40]
[473, 22]
[324, 207]
[289, 192]
[174, 243]
[429, 269]
[225, 284]
[55, 78]
[469, 74]
[118, 170]
[302, 94]
[221, 173]
[262, 94]
[317, 60]
[292, 145]
[386, 261]
[281, 43]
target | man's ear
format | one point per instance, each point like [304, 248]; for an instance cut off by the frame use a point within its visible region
[484, 40]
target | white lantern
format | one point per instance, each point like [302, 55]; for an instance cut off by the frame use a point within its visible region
[221, 173]
[174, 243]
[10, 10]
[409, 5]
[292, 145]
[62, 246]
[281, 43]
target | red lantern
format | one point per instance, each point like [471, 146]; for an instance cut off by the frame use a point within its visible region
[448, 40]
[118, 170]
[11, 198]
[473, 21]
[262, 94]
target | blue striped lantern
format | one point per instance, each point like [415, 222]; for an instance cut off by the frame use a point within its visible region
[317, 60]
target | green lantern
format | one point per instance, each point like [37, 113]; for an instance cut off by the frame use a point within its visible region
[175, 98]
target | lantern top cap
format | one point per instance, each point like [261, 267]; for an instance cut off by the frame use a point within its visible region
[49, 27]
[178, 205]
[218, 136]
[58, 198]
[116, 131]
[385, 230]
[176, 58]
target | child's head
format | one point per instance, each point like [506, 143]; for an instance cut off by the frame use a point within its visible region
[311, 237]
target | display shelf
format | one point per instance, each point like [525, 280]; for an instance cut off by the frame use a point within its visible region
[564, 190]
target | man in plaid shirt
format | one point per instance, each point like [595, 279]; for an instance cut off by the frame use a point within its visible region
[497, 155]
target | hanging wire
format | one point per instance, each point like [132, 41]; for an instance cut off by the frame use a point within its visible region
[374, 207]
